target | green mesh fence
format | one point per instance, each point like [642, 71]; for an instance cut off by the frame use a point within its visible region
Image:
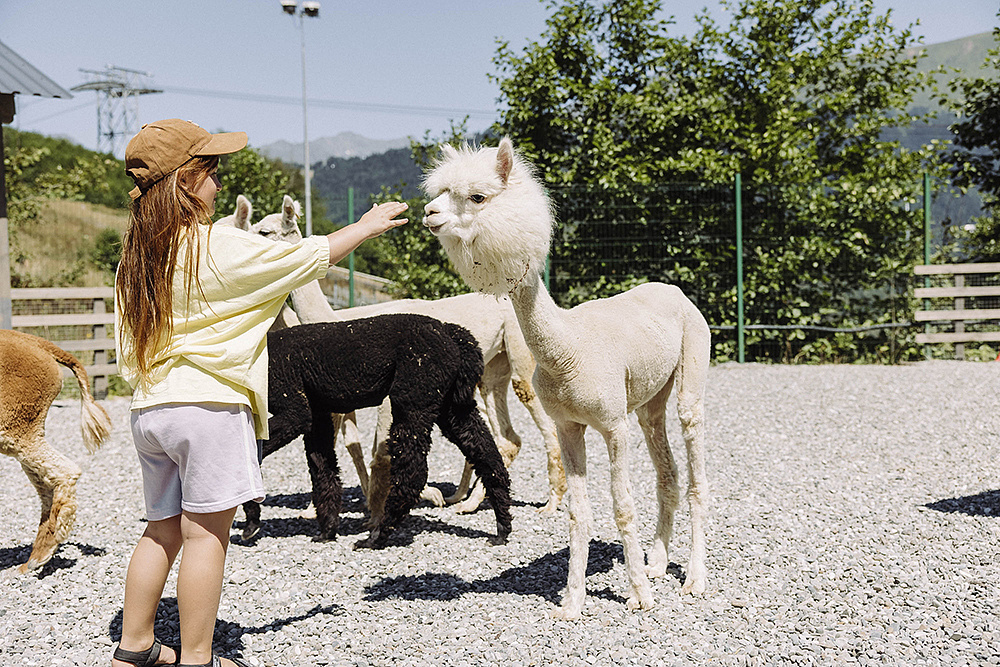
[814, 291]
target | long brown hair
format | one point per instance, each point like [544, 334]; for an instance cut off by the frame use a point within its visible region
[159, 219]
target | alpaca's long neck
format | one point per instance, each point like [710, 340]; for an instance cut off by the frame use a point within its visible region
[543, 324]
[310, 304]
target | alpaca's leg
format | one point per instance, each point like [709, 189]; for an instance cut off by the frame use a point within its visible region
[251, 510]
[495, 382]
[381, 470]
[522, 366]
[463, 425]
[691, 410]
[557, 476]
[347, 425]
[640, 596]
[465, 483]
[291, 417]
[378, 481]
[493, 407]
[408, 444]
[54, 477]
[574, 456]
[327, 488]
[652, 419]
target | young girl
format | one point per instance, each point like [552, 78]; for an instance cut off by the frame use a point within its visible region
[193, 308]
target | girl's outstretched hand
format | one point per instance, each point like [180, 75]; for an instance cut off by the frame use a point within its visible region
[380, 218]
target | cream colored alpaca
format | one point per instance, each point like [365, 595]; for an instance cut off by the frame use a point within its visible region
[30, 380]
[506, 356]
[240, 219]
[596, 362]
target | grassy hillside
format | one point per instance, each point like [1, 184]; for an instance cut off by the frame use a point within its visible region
[59, 247]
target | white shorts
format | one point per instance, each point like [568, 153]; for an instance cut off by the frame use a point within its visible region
[198, 458]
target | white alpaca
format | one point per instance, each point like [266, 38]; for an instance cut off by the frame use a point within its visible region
[505, 353]
[596, 362]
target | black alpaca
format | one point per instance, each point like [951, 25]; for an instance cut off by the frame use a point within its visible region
[428, 369]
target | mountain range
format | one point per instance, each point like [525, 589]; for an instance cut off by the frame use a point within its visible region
[342, 145]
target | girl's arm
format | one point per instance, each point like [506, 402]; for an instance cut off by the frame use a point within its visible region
[378, 220]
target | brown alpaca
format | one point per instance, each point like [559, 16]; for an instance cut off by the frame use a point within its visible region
[30, 380]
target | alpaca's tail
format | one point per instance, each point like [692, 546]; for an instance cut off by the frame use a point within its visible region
[95, 425]
[696, 351]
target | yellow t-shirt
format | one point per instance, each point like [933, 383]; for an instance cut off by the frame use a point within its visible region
[218, 350]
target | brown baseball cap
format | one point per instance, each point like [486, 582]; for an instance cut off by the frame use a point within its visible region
[161, 147]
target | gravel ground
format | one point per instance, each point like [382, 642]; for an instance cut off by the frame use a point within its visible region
[855, 519]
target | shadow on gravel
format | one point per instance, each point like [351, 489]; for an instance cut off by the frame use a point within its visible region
[544, 577]
[402, 536]
[15, 556]
[228, 640]
[986, 503]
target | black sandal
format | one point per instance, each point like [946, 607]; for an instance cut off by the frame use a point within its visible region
[145, 658]
[216, 662]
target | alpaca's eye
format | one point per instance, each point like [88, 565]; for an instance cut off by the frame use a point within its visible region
[477, 199]
[265, 232]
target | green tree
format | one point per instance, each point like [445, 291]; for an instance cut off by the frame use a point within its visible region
[411, 256]
[794, 95]
[977, 154]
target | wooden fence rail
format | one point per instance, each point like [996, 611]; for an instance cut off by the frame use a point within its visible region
[962, 312]
[81, 319]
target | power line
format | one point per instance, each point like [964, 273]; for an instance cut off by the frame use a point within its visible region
[332, 104]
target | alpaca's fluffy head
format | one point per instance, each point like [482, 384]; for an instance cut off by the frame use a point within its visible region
[283, 226]
[492, 216]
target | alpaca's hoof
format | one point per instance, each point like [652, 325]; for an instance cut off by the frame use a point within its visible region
[694, 586]
[454, 498]
[639, 602]
[433, 495]
[550, 508]
[468, 505]
[499, 539]
[376, 539]
[654, 570]
[566, 614]
[250, 531]
[29, 566]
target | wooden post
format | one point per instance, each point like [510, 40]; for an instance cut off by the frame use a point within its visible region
[6, 311]
[959, 324]
[100, 354]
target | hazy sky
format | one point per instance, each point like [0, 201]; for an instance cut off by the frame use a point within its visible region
[383, 68]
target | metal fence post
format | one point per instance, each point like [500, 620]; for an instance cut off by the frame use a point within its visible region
[350, 258]
[740, 341]
[927, 252]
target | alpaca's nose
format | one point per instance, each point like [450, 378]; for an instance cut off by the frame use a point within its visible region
[430, 209]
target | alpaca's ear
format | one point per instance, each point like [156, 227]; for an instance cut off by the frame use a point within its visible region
[289, 212]
[505, 159]
[244, 209]
[448, 152]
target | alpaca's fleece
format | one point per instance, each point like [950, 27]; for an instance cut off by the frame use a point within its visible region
[429, 371]
[596, 362]
[478, 210]
[30, 380]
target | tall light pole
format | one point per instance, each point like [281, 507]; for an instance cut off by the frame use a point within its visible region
[309, 8]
